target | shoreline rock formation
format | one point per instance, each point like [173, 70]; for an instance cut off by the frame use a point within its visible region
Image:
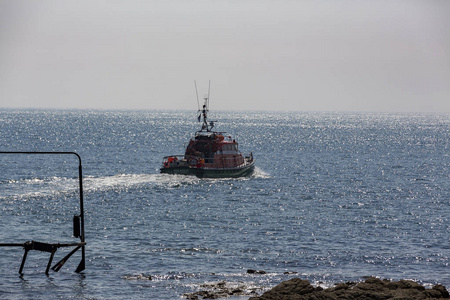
[298, 289]
[371, 288]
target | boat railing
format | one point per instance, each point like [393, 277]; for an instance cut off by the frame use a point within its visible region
[191, 161]
[174, 160]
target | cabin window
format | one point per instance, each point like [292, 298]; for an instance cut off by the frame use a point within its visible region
[230, 147]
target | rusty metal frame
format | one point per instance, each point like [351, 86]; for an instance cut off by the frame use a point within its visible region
[51, 248]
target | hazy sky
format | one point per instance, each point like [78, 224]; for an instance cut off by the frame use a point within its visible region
[299, 55]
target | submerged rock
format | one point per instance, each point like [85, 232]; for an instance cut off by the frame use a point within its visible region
[250, 271]
[371, 288]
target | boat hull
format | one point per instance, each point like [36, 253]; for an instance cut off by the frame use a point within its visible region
[211, 172]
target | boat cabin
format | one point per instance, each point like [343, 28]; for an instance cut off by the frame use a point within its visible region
[215, 150]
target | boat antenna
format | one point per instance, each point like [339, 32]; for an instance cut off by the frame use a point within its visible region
[196, 92]
[198, 102]
[203, 112]
[209, 89]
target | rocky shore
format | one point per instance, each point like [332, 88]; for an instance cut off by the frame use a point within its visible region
[298, 289]
[371, 288]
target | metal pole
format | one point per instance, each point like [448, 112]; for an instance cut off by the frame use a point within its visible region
[82, 265]
[196, 92]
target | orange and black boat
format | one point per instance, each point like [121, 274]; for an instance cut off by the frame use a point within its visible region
[210, 154]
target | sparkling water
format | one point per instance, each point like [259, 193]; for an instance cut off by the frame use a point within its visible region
[334, 197]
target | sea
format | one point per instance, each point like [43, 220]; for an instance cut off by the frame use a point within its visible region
[335, 197]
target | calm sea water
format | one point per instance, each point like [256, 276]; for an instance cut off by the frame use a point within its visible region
[335, 197]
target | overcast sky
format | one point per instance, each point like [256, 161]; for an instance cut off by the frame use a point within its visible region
[330, 55]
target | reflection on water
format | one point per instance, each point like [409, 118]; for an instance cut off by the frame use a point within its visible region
[334, 197]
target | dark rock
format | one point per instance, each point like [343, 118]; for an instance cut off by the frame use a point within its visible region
[371, 289]
[294, 287]
[250, 271]
[441, 289]
[408, 284]
[340, 286]
[220, 289]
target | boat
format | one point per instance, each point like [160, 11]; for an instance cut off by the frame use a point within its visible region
[209, 154]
